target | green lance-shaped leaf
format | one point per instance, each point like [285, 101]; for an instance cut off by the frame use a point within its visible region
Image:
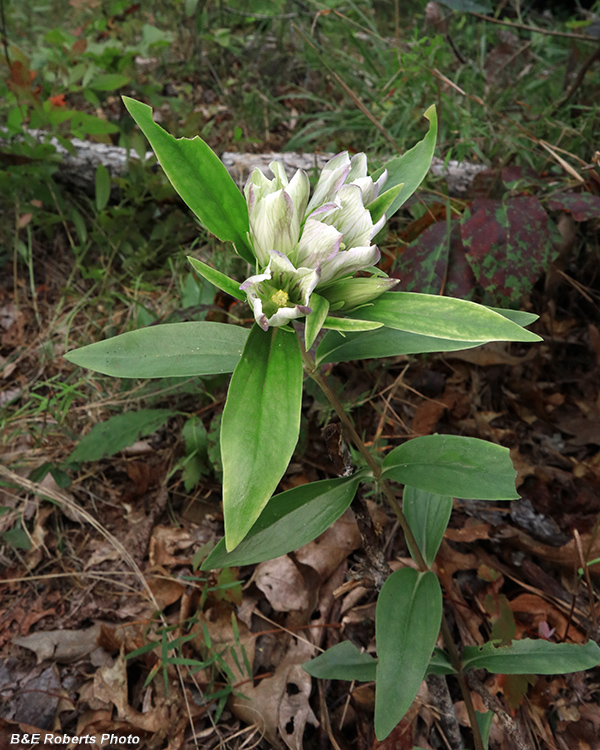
[484, 722]
[454, 465]
[387, 342]
[164, 351]
[350, 324]
[109, 82]
[427, 515]
[260, 427]
[342, 662]
[314, 322]
[118, 432]
[412, 167]
[218, 279]
[520, 317]
[200, 178]
[530, 656]
[345, 662]
[444, 318]
[383, 342]
[383, 203]
[102, 187]
[288, 521]
[407, 624]
[440, 663]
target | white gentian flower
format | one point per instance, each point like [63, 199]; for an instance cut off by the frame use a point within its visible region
[276, 209]
[281, 293]
[302, 246]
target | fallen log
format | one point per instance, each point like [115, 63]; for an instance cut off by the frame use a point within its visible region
[77, 167]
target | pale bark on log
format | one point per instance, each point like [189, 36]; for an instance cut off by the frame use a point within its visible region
[459, 175]
[79, 168]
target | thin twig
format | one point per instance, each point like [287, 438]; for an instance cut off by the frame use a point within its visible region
[490, 701]
[576, 83]
[442, 701]
[537, 29]
[3, 32]
[588, 580]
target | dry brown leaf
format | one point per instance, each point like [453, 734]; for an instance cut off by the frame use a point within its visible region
[321, 614]
[282, 583]
[110, 686]
[523, 467]
[165, 544]
[92, 723]
[37, 536]
[101, 551]
[566, 556]
[166, 590]
[294, 709]
[495, 353]
[542, 611]
[220, 628]
[62, 646]
[469, 533]
[325, 553]
[290, 588]
[426, 416]
[585, 429]
[279, 704]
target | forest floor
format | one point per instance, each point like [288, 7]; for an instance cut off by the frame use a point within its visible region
[110, 564]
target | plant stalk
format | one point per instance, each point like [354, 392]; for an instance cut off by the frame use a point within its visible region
[312, 371]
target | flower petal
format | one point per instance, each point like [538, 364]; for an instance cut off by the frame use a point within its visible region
[348, 262]
[280, 281]
[332, 177]
[346, 294]
[298, 282]
[299, 190]
[352, 219]
[273, 225]
[319, 242]
[358, 168]
[281, 178]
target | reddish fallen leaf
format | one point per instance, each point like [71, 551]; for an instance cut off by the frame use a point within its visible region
[166, 591]
[435, 262]
[581, 206]
[24, 220]
[21, 75]
[515, 687]
[58, 101]
[79, 47]
[427, 415]
[508, 245]
[469, 533]
[541, 611]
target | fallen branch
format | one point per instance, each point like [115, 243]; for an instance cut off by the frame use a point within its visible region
[77, 167]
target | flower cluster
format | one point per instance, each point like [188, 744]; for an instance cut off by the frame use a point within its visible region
[303, 244]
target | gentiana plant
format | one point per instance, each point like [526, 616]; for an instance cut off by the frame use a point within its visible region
[304, 250]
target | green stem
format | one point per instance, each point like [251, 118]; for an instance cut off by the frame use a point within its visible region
[312, 371]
